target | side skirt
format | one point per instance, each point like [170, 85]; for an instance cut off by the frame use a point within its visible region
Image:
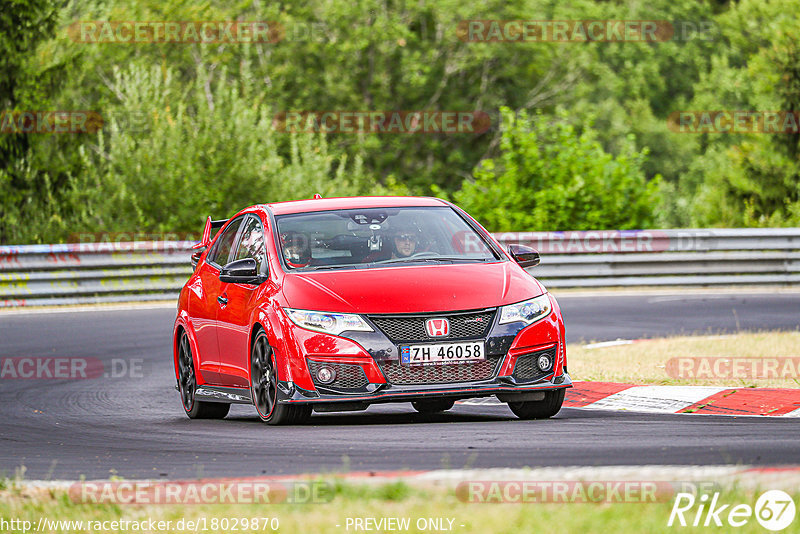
[223, 394]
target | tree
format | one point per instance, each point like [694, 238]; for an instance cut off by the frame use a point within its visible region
[749, 178]
[550, 177]
[24, 24]
[202, 149]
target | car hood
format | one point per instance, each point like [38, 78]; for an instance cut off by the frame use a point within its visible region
[411, 288]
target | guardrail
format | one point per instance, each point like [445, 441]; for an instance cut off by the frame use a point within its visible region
[44, 275]
[35, 275]
[692, 257]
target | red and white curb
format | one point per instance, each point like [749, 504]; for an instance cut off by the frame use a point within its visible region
[703, 400]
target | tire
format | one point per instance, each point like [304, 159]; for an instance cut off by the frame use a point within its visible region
[542, 409]
[187, 385]
[264, 386]
[433, 406]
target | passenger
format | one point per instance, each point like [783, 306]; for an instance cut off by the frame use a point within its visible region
[253, 246]
[296, 248]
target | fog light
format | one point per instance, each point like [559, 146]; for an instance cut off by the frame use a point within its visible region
[326, 375]
[543, 362]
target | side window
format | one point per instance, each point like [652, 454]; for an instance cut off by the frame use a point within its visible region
[251, 245]
[222, 248]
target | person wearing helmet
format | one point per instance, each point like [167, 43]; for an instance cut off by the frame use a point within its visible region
[252, 244]
[296, 248]
[405, 241]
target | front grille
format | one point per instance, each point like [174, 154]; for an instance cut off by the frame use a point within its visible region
[526, 369]
[411, 328]
[347, 376]
[440, 374]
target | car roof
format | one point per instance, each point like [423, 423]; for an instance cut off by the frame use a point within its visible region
[327, 204]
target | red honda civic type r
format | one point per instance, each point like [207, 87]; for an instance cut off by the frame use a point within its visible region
[335, 304]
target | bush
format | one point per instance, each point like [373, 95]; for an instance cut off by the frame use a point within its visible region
[551, 177]
[211, 150]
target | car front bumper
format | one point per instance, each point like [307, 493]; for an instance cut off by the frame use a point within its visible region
[375, 359]
[291, 394]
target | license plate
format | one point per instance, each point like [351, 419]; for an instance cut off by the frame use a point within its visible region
[442, 353]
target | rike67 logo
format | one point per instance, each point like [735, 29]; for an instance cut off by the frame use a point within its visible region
[774, 510]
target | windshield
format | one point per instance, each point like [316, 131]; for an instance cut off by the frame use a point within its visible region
[376, 237]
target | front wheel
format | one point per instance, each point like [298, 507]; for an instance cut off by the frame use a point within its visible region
[542, 409]
[264, 387]
[187, 385]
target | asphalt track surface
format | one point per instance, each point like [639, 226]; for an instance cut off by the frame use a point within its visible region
[134, 426]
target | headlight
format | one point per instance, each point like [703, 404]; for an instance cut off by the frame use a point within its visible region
[528, 311]
[328, 323]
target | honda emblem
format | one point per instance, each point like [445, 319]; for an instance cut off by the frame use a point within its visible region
[437, 327]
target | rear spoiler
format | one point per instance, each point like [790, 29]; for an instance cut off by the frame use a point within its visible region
[203, 245]
[207, 232]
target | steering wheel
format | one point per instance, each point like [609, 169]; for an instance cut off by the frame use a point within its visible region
[424, 254]
[418, 255]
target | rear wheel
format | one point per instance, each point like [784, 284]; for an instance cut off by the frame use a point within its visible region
[187, 385]
[433, 406]
[264, 387]
[547, 407]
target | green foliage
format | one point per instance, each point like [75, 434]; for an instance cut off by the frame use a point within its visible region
[206, 148]
[23, 25]
[749, 179]
[397, 491]
[550, 177]
[31, 175]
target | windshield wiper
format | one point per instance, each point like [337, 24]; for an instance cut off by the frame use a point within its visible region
[326, 267]
[434, 259]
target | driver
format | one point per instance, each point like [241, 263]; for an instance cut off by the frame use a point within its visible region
[405, 242]
[296, 248]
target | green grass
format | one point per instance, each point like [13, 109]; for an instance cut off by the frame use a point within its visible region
[646, 361]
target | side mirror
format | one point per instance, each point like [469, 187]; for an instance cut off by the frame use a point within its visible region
[524, 255]
[244, 271]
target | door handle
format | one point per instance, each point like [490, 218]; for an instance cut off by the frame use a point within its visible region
[223, 301]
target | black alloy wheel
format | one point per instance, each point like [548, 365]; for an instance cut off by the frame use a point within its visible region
[264, 386]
